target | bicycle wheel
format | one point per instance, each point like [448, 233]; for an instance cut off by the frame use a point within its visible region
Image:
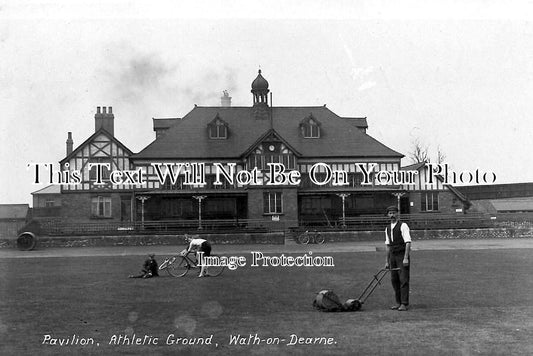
[319, 239]
[303, 238]
[215, 270]
[179, 267]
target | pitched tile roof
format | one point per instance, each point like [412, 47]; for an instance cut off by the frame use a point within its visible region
[164, 123]
[91, 138]
[357, 121]
[188, 139]
[51, 189]
[414, 166]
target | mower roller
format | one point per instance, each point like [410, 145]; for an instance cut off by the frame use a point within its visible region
[328, 301]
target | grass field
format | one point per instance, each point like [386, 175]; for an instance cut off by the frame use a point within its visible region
[462, 303]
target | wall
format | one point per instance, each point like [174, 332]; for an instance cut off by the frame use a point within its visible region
[271, 238]
[489, 233]
[9, 227]
[39, 200]
[482, 206]
[150, 240]
[448, 203]
[289, 217]
[76, 207]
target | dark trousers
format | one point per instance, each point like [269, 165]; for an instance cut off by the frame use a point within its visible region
[400, 279]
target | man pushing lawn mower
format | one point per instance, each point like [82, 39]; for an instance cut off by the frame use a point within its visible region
[398, 241]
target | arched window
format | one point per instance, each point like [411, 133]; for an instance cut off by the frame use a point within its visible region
[310, 127]
[218, 129]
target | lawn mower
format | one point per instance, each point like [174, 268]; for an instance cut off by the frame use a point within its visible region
[328, 301]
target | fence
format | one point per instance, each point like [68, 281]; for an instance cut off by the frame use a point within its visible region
[57, 227]
[151, 227]
[415, 222]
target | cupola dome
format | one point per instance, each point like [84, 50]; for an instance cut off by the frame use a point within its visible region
[259, 83]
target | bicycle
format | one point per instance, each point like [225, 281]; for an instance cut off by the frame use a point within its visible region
[311, 237]
[179, 265]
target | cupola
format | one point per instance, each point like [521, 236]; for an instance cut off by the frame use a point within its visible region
[260, 90]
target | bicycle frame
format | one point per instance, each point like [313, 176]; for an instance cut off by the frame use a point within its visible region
[179, 265]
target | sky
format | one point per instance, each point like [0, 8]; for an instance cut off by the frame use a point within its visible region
[456, 77]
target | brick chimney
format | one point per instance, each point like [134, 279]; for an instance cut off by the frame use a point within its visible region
[225, 100]
[70, 143]
[104, 118]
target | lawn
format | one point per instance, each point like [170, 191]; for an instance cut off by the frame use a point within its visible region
[462, 303]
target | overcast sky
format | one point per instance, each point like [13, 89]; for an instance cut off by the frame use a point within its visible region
[458, 77]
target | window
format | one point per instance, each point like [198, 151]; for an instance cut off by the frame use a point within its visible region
[210, 182]
[101, 207]
[49, 202]
[430, 201]
[218, 129]
[288, 161]
[105, 171]
[167, 185]
[279, 154]
[272, 203]
[355, 179]
[310, 128]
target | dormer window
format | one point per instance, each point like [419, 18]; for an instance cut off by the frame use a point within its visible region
[218, 129]
[310, 127]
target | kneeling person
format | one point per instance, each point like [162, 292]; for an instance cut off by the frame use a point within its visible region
[150, 268]
[199, 245]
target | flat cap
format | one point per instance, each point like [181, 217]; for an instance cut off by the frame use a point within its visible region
[392, 208]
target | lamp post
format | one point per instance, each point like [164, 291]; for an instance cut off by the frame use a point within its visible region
[398, 196]
[199, 198]
[142, 198]
[343, 197]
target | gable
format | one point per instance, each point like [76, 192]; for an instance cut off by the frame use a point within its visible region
[272, 142]
[99, 144]
[101, 148]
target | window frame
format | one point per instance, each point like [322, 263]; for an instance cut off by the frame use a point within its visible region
[218, 129]
[429, 201]
[99, 203]
[311, 128]
[106, 173]
[272, 203]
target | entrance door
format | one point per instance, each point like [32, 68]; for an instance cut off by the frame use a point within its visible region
[404, 205]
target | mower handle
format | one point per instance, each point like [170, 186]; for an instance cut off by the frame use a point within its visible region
[376, 280]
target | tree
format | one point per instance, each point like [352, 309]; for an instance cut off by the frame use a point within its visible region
[441, 157]
[419, 152]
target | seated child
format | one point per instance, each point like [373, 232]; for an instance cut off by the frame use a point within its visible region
[150, 268]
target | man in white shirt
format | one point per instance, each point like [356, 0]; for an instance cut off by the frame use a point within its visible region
[199, 245]
[398, 241]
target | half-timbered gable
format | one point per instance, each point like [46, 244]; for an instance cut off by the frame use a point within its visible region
[95, 159]
[106, 175]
